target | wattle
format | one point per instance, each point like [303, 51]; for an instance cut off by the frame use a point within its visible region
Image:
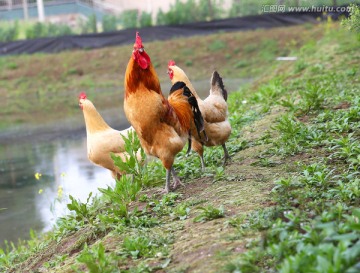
[143, 62]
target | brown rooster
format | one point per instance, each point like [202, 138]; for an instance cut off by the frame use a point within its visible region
[102, 140]
[163, 125]
[214, 110]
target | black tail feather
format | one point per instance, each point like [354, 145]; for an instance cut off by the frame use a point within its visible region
[217, 80]
[198, 118]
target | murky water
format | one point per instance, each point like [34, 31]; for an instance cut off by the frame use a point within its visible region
[31, 203]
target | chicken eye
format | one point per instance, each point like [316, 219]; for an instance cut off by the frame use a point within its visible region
[141, 50]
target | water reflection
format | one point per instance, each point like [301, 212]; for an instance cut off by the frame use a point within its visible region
[61, 163]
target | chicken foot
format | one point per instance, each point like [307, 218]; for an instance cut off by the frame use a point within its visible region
[177, 181]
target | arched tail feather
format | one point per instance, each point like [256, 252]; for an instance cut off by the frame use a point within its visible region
[216, 80]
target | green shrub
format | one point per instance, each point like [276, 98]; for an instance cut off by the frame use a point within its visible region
[161, 18]
[129, 18]
[9, 33]
[210, 10]
[92, 23]
[54, 30]
[88, 25]
[244, 7]
[182, 13]
[190, 11]
[109, 23]
[145, 20]
[36, 31]
[39, 30]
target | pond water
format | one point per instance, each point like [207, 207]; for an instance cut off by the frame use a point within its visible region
[30, 203]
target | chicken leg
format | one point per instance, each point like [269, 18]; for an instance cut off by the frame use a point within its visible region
[226, 153]
[202, 163]
[167, 183]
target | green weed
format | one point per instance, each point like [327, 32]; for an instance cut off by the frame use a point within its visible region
[12, 66]
[265, 162]
[300, 66]
[217, 45]
[241, 64]
[346, 148]
[96, 260]
[56, 261]
[21, 251]
[188, 63]
[312, 97]
[83, 211]
[125, 191]
[248, 48]
[64, 226]
[143, 246]
[137, 246]
[209, 213]
[219, 173]
[181, 211]
[132, 165]
[187, 51]
[145, 221]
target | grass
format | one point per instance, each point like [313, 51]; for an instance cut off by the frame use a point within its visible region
[288, 201]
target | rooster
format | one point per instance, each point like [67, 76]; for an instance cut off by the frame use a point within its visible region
[102, 140]
[214, 110]
[162, 125]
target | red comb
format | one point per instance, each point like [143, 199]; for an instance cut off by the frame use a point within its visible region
[82, 96]
[138, 41]
[171, 63]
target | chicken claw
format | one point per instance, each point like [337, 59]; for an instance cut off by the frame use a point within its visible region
[177, 181]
